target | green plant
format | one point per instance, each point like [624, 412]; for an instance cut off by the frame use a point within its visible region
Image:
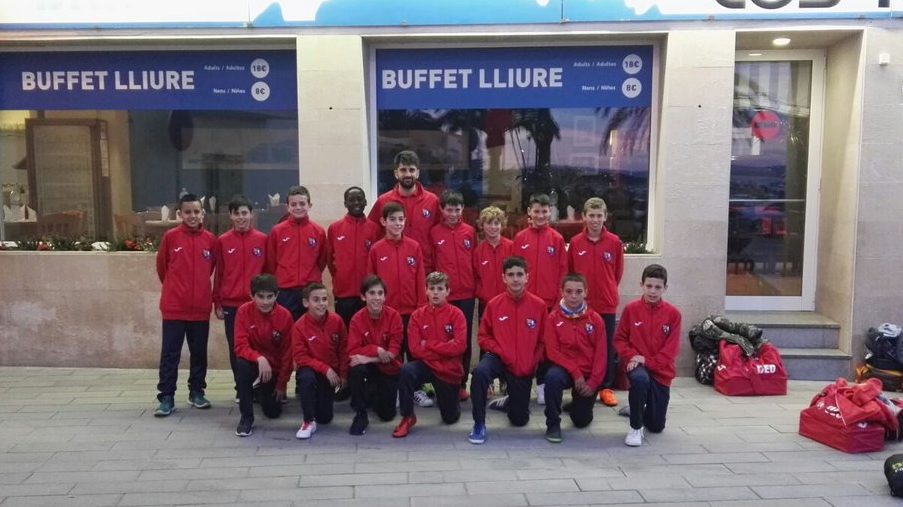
[635, 247]
[134, 244]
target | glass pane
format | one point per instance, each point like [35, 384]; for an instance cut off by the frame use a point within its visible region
[769, 162]
[501, 156]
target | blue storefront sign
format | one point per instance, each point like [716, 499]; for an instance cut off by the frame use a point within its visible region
[211, 80]
[465, 78]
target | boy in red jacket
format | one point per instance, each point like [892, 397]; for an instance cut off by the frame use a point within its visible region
[263, 344]
[511, 336]
[598, 255]
[185, 262]
[347, 250]
[648, 337]
[240, 256]
[296, 251]
[453, 244]
[398, 261]
[436, 341]
[575, 345]
[374, 347]
[321, 355]
[490, 254]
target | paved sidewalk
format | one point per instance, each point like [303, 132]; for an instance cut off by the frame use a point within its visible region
[86, 437]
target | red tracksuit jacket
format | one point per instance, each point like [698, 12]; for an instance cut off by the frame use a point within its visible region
[543, 249]
[240, 256]
[453, 252]
[421, 211]
[296, 253]
[443, 331]
[268, 335]
[652, 331]
[578, 345]
[512, 329]
[487, 267]
[185, 262]
[400, 265]
[365, 334]
[348, 243]
[321, 345]
[602, 263]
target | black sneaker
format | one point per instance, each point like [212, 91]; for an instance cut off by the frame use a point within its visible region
[359, 424]
[245, 426]
[553, 434]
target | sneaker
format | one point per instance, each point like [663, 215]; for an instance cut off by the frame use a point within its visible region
[307, 429]
[237, 401]
[422, 399]
[404, 427]
[500, 404]
[607, 397]
[540, 394]
[553, 434]
[359, 424]
[165, 407]
[463, 395]
[634, 437]
[197, 400]
[245, 426]
[625, 411]
[478, 434]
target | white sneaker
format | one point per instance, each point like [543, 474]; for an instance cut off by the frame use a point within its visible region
[634, 437]
[422, 399]
[307, 429]
[540, 394]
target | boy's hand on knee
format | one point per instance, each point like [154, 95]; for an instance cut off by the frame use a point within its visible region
[333, 378]
[280, 395]
[635, 361]
[220, 314]
[266, 372]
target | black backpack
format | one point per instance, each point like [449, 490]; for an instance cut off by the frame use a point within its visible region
[893, 471]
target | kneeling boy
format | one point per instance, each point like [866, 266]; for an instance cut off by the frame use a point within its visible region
[648, 337]
[320, 351]
[577, 350]
[263, 348]
[374, 345]
[436, 339]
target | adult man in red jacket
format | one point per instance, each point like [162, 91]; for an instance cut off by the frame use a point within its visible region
[511, 335]
[185, 262]
[436, 339]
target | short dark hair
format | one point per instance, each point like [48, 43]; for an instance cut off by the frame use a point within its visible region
[298, 190]
[655, 271]
[392, 207]
[573, 277]
[264, 283]
[539, 198]
[352, 189]
[513, 262]
[309, 288]
[451, 197]
[188, 198]
[407, 157]
[372, 281]
[237, 202]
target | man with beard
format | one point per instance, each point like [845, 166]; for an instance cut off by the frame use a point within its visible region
[421, 206]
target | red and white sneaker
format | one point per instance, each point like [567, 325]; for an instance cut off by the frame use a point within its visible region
[307, 429]
[404, 427]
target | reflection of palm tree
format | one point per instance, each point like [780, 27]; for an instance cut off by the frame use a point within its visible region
[634, 125]
[542, 129]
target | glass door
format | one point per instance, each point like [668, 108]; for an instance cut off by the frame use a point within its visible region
[775, 161]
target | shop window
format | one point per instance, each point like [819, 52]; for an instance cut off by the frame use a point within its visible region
[564, 141]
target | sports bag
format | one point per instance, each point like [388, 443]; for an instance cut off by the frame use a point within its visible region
[893, 471]
[846, 417]
[706, 362]
[891, 380]
[758, 375]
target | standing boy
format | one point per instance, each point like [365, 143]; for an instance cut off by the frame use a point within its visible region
[348, 246]
[575, 346]
[296, 251]
[490, 254]
[263, 344]
[598, 255]
[648, 337]
[511, 336]
[374, 347]
[184, 264]
[436, 340]
[321, 355]
[453, 244]
[240, 256]
[421, 206]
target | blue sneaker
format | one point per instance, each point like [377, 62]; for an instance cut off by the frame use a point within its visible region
[478, 435]
[197, 400]
[165, 407]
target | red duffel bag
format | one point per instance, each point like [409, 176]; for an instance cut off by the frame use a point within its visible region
[759, 375]
[835, 419]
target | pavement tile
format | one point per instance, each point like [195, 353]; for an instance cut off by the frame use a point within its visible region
[700, 494]
[502, 500]
[516, 486]
[409, 490]
[585, 498]
[807, 490]
[64, 500]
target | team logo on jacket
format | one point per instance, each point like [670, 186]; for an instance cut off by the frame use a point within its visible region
[426, 213]
[666, 329]
[334, 338]
[411, 261]
[531, 324]
[467, 244]
[277, 336]
[607, 256]
[367, 244]
[256, 252]
[312, 242]
[589, 328]
[449, 328]
[230, 251]
[550, 250]
[205, 253]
